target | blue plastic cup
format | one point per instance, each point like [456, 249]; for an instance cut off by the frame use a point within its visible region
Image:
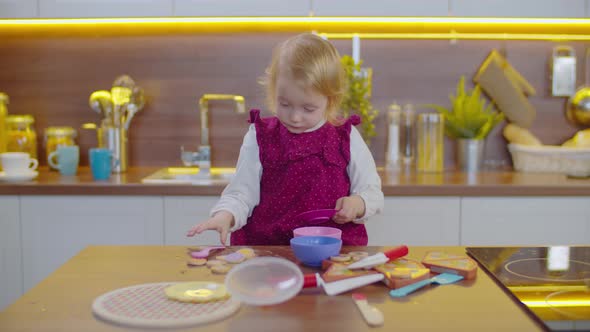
[101, 160]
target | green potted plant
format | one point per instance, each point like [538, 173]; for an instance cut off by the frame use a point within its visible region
[469, 121]
[356, 98]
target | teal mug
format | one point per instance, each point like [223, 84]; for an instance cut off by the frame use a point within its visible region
[68, 158]
[101, 161]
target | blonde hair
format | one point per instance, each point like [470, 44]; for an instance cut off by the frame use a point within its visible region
[315, 63]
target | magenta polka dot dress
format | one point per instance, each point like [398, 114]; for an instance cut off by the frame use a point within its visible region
[300, 172]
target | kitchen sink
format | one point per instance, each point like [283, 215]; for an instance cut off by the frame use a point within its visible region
[190, 175]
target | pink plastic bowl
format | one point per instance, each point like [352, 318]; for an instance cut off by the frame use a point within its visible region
[317, 231]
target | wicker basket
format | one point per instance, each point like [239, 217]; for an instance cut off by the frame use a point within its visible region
[551, 159]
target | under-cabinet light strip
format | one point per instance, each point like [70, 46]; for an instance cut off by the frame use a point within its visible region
[333, 27]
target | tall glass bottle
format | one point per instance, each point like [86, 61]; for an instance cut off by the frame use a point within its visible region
[407, 134]
[3, 115]
[392, 147]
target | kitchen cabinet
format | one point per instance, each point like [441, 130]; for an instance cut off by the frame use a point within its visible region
[242, 8]
[105, 8]
[183, 212]
[416, 221]
[521, 8]
[412, 221]
[54, 228]
[11, 286]
[525, 221]
[18, 9]
[147, 8]
[456, 8]
[380, 8]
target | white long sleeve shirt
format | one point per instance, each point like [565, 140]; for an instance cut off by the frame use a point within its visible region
[242, 194]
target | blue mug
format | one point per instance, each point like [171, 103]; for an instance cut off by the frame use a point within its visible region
[100, 163]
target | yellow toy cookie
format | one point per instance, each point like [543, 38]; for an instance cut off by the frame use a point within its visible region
[220, 269]
[247, 252]
[340, 258]
[196, 261]
[197, 292]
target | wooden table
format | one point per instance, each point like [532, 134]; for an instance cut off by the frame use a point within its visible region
[62, 302]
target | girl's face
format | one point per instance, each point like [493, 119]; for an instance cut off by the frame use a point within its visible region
[298, 108]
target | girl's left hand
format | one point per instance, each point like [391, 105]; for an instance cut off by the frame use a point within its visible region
[349, 208]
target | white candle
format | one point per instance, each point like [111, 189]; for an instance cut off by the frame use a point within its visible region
[356, 48]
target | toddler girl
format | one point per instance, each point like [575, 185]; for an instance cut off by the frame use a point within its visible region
[304, 158]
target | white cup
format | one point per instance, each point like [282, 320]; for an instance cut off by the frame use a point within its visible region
[15, 163]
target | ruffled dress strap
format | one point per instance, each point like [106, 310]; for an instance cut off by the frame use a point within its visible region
[344, 132]
[353, 120]
[254, 115]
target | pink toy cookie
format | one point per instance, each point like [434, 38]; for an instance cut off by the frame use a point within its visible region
[204, 253]
[233, 258]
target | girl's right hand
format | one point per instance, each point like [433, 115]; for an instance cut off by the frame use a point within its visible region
[222, 221]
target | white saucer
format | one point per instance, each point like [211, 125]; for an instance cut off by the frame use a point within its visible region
[25, 176]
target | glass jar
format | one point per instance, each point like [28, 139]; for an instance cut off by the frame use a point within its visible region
[58, 136]
[20, 134]
[430, 137]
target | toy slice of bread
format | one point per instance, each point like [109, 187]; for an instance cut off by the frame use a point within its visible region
[441, 262]
[402, 272]
[338, 271]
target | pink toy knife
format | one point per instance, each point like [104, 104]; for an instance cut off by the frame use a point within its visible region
[340, 286]
[379, 258]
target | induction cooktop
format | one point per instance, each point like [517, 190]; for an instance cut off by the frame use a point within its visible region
[553, 283]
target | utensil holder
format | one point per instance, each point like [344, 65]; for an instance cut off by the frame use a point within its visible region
[115, 139]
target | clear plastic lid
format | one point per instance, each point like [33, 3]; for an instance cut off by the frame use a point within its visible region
[264, 281]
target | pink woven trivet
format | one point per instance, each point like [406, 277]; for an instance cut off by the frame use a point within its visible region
[147, 306]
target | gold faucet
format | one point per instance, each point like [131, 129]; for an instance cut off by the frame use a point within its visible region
[240, 107]
[202, 158]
